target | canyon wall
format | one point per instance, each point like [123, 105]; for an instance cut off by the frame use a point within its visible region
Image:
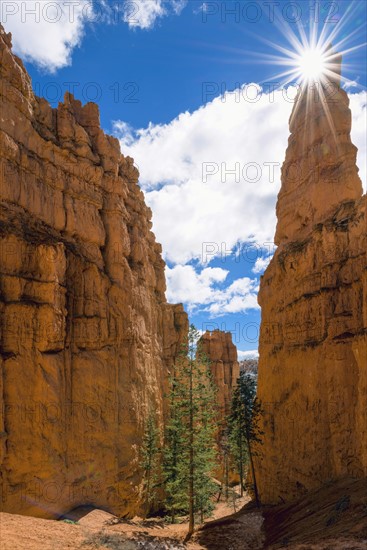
[85, 331]
[313, 344]
[222, 353]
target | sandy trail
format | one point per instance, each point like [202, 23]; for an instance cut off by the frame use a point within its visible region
[97, 530]
[332, 518]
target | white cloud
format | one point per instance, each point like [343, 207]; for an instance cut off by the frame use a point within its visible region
[238, 297]
[193, 208]
[261, 264]
[202, 8]
[143, 14]
[201, 290]
[358, 106]
[250, 354]
[185, 285]
[46, 32]
[351, 84]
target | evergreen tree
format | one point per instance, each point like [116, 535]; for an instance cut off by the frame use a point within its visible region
[150, 462]
[224, 447]
[244, 427]
[174, 482]
[237, 437]
[190, 435]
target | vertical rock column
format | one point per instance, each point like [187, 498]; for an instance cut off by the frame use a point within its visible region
[222, 354]
[313, 343]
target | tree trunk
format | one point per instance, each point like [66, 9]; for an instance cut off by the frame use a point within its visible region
[191, 475]
[234, 500]
[226, 475]
[220, 492]
[241, 466]
[147, 502]
[253, 476]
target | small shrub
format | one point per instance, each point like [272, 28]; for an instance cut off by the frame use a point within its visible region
[70, 521]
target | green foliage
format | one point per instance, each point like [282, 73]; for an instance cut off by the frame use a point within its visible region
[243, 424]
[237, 435]
[189, 456]
[70, 521]
[150, 461]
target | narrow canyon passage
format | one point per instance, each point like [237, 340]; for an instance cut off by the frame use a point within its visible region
[123, 423]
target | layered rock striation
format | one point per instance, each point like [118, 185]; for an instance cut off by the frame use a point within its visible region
[313, 344]
[222, 354]
[86, 333]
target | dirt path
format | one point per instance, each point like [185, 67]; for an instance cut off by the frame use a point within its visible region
[333, 518]
[98, 530]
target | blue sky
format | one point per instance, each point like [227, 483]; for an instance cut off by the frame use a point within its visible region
[209, 160]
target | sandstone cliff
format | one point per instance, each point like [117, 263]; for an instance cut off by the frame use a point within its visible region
[313, 345]
[86, 333]
[222, 353]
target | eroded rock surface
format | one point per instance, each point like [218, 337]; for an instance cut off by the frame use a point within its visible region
[86, 333]
[313, 346]
[222, 353]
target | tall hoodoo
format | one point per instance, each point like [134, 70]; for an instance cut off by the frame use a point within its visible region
[222, 354]
[319, 174]
[86, 334]
[313, 344]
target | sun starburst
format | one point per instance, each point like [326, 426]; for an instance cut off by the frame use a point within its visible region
[313, 55]
[312, 64]
[313, 60]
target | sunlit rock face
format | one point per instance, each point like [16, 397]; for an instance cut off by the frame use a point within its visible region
[222, 354]
[86, 334]
[313, 345]
[319, 174]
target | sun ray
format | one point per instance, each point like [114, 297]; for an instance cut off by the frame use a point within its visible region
[312, 52]
[316, 55]
[328, 113]
[313, 60]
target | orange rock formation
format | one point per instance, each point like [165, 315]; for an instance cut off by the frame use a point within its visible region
[222, 353]
[313, 346]
[86, 333]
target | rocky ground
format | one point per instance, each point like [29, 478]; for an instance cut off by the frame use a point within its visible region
[334, 518]
[98, 530]
[331, 518]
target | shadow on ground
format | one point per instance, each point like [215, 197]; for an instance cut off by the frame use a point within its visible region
[331, 518]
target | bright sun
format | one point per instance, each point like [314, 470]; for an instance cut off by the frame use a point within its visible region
[316, 58]
[312, 64]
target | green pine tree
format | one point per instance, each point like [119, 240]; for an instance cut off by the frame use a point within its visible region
[190, 435]
[224, 451]
[244, 427]
[237, 439]
[174, 482]
[150, 462]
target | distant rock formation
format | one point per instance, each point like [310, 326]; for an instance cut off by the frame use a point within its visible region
[313, 345]
[87, 336]
[222, 353]
[249, 366]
